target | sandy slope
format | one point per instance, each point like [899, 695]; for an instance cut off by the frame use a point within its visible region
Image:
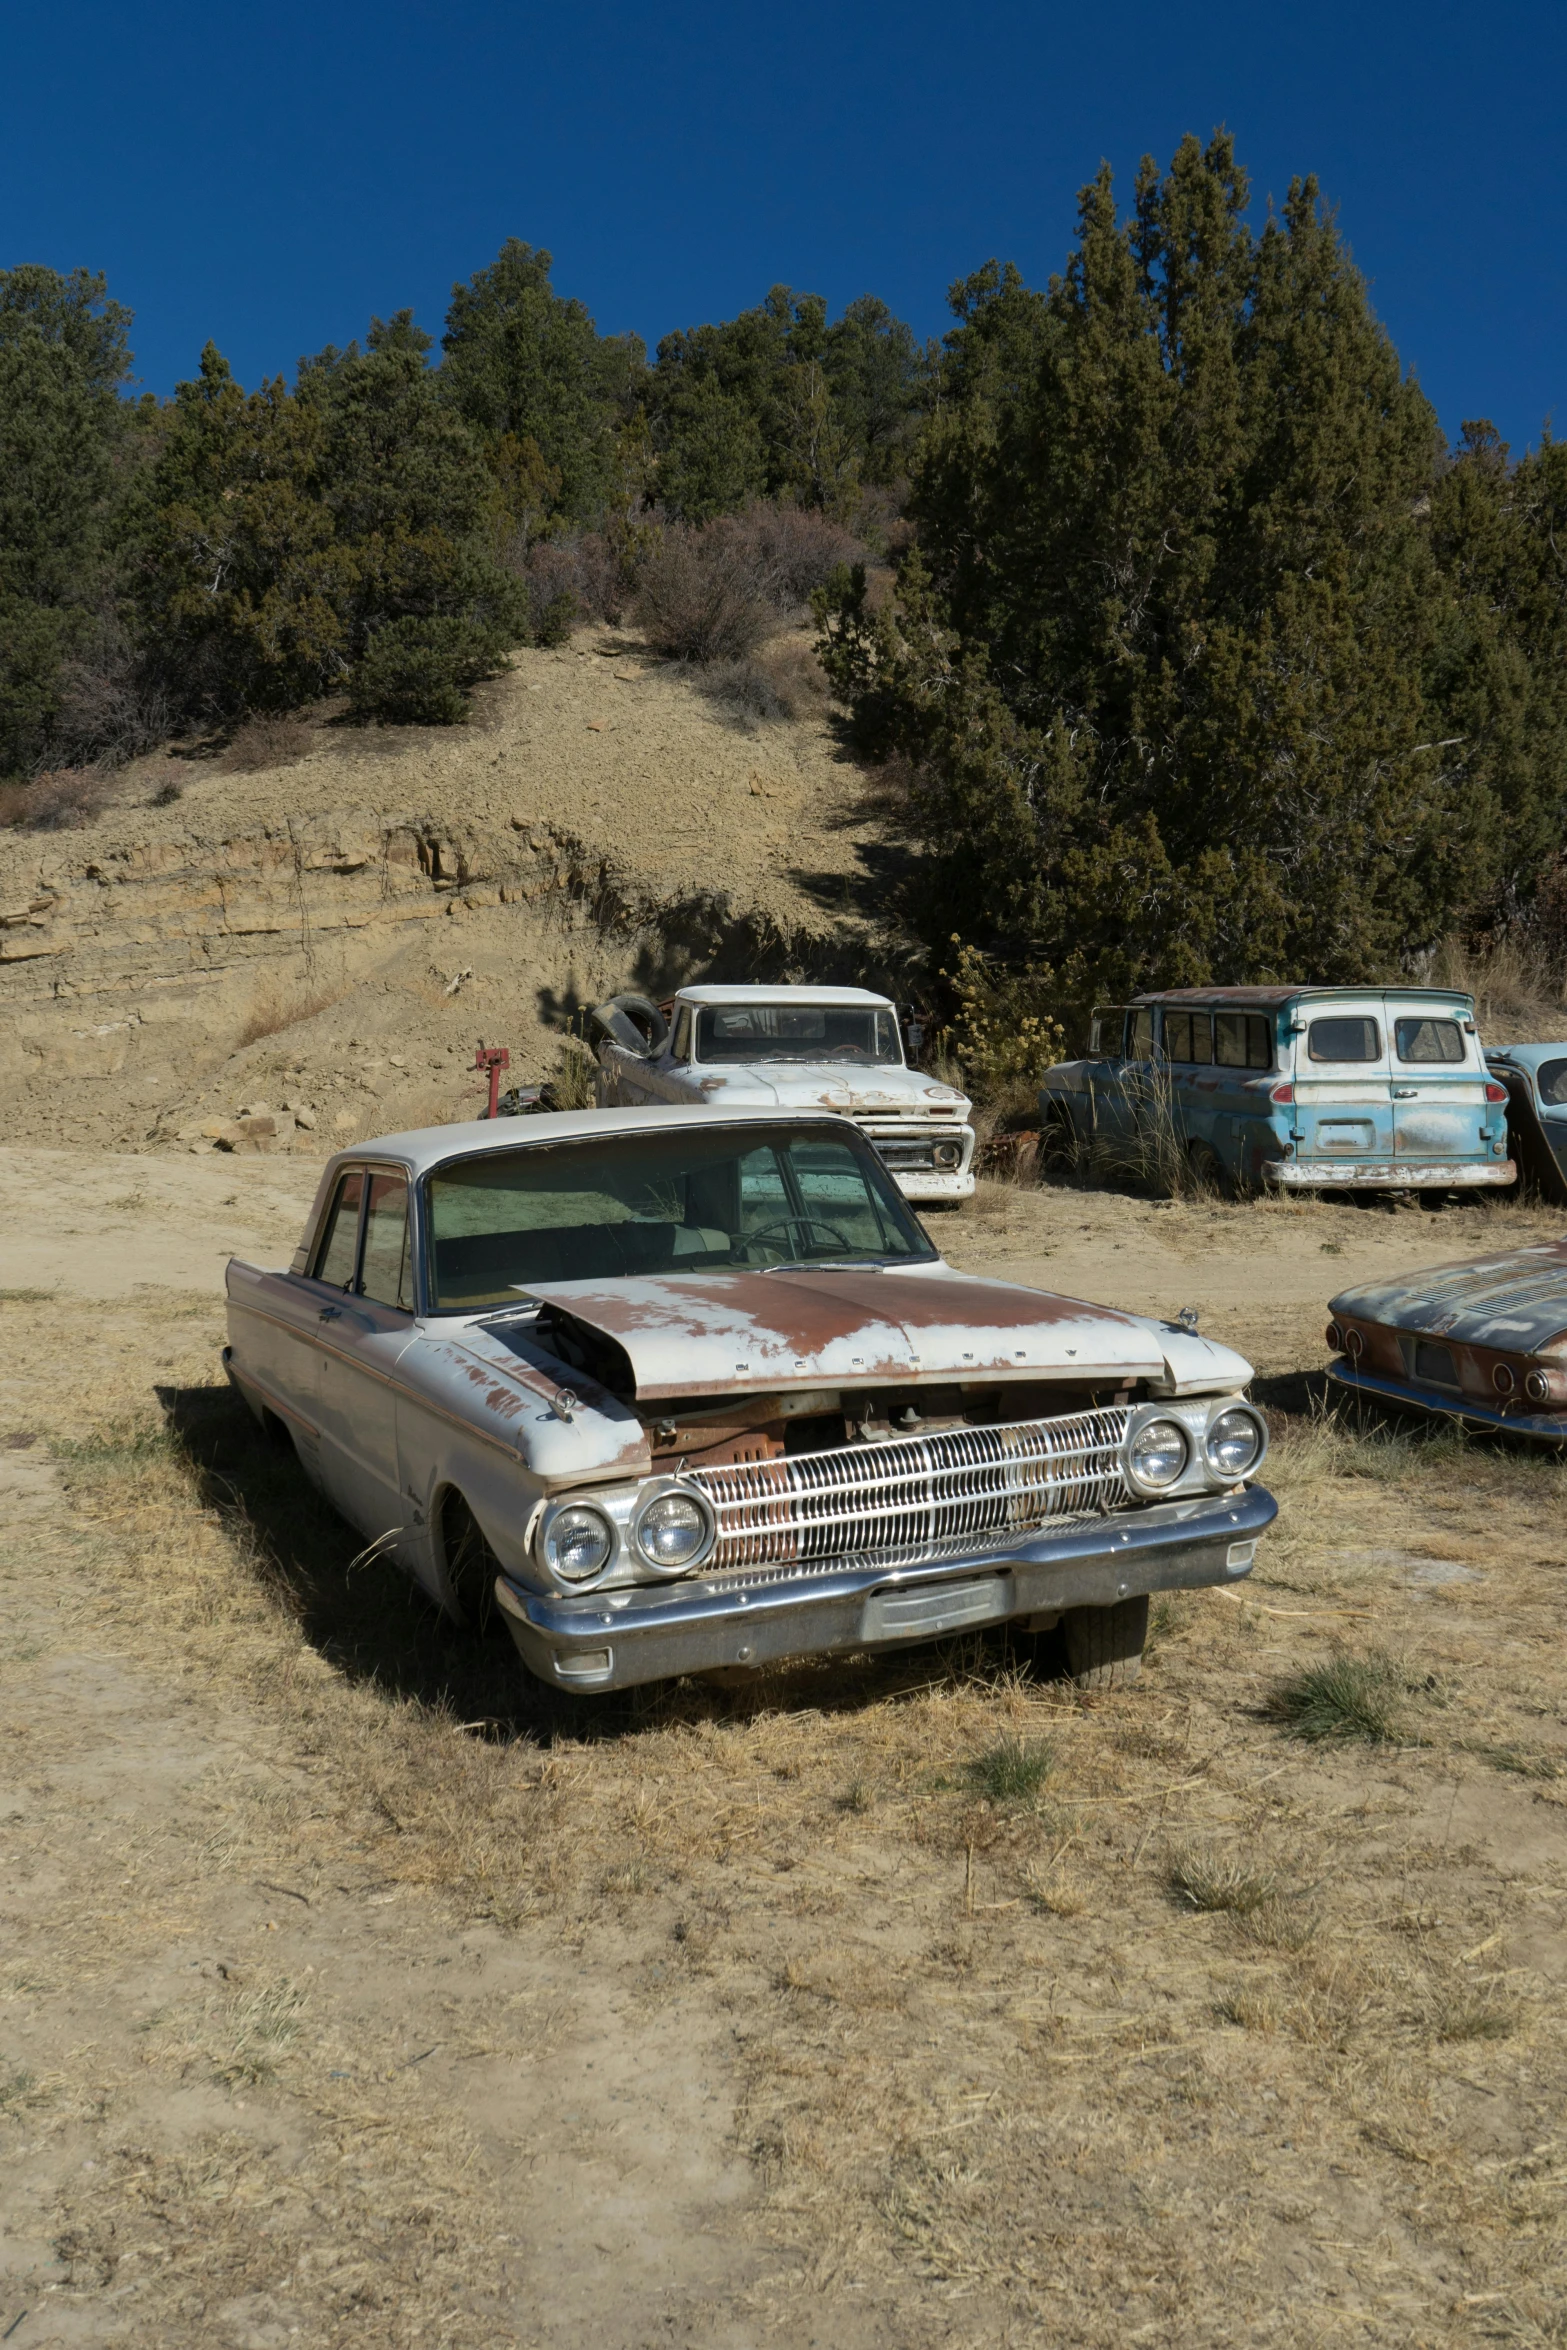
[336, 935]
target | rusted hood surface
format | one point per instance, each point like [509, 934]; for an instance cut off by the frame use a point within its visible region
[698, 1333]
[1516, 1302]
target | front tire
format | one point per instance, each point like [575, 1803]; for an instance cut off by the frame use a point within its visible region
[1104, 1645]
[471, 1567]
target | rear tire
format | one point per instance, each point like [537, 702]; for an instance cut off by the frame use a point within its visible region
[1208, 1170]
[1057, 1144]
[1104, 1645]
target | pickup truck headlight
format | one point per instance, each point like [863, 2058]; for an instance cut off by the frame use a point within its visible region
[1156, 1455]
[578, 1542]
[1235, 1442]
[673, 1529]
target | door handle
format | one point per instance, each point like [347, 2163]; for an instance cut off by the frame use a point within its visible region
[1405, 1093]
[329, 1313]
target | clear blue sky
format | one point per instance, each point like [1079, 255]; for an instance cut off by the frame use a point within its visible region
[271, 176]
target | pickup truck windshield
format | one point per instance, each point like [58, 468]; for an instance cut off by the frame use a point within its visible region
[797, 1032]
[607, 1208]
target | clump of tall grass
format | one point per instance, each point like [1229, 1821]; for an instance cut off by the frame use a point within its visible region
[1345, 1697]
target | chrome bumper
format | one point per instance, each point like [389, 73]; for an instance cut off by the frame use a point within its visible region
[925, 1183]
[1538, 1427]
[614, 1639]
[1388, 1174]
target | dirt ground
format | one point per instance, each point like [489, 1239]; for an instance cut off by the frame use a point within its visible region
[352, 1992]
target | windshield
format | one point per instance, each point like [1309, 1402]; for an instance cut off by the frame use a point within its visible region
[606, 1208]
[798, 1032]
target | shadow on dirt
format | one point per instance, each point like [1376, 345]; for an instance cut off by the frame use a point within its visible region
[379, 1629]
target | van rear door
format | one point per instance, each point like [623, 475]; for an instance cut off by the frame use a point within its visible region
[1438, 1078]
[1343, 1079]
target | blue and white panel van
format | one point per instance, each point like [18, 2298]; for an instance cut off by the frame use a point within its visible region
[1303, 1087]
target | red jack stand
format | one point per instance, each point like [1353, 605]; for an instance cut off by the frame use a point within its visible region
[494, 1058]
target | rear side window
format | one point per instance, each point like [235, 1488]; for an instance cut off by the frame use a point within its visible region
[1188, 1036]
[384, 1273]
[1241, 1041]
[1551, 1078]
[1344, 1040]
[340, 1238]
[1428, 1040]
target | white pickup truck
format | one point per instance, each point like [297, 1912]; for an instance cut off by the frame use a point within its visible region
[796, 1048]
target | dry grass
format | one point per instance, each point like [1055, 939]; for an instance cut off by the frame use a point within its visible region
[987, 2067]
[276, 1011]
[1520, 990]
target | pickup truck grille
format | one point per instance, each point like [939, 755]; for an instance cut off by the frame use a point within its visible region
[913, 1495]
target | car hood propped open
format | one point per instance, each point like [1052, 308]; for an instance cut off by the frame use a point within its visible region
[701, 1333]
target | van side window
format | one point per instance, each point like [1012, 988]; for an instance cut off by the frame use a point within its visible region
[1139, 1043]
[1344, 1040]
[1177, 1036]
[1202, 1039]
[1428, 1040]
[384, 1273]
[339, 1249]
[1243, 1041]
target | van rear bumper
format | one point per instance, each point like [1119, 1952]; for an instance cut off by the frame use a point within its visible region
[1387, 1174]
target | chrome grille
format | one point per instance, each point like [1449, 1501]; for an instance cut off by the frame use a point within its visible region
[916, 1495]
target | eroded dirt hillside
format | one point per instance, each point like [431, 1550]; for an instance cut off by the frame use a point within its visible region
[322, 943]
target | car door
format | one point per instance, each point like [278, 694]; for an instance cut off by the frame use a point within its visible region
[1121, 1084]
[1343, 1080]
[362, 1332]
[1440, 1109]
[1550, 1093]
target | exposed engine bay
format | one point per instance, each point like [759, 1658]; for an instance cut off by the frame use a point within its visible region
[707, 1433]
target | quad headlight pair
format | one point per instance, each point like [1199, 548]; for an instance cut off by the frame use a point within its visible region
[1161, 1449]
[669, 1531]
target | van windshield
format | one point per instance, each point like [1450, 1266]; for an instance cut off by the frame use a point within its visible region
[858, 1037]
[612, 1207]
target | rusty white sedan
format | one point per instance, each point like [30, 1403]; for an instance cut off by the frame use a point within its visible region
[683, 1390]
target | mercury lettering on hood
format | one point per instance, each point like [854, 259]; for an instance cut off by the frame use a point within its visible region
[698, 1333]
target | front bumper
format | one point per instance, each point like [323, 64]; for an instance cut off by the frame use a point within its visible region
[1388, 1174]
[615, 1639]
[1536, 1427]
[924, 1183]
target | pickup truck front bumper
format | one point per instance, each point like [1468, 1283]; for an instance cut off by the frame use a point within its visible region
[1387, 1174]
[615, 1639]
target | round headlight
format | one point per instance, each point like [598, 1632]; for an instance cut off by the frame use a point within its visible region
[947, 1154]
[1157, 1453]
[672, 1532]
[1234, 1443]
[578, 1542]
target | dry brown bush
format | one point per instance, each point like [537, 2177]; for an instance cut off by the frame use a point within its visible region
[270, 740]
[699, 597]
[272, 1013]
[58, 801]
[586, 567]
[708, 594]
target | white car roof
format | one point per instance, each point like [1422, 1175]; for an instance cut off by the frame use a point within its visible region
[750, 993]
[426, 1146]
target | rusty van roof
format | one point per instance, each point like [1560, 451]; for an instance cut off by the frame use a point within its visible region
[1270, 999]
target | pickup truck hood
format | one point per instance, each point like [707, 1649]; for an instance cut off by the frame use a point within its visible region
[817, 1085]
[701, 1333]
